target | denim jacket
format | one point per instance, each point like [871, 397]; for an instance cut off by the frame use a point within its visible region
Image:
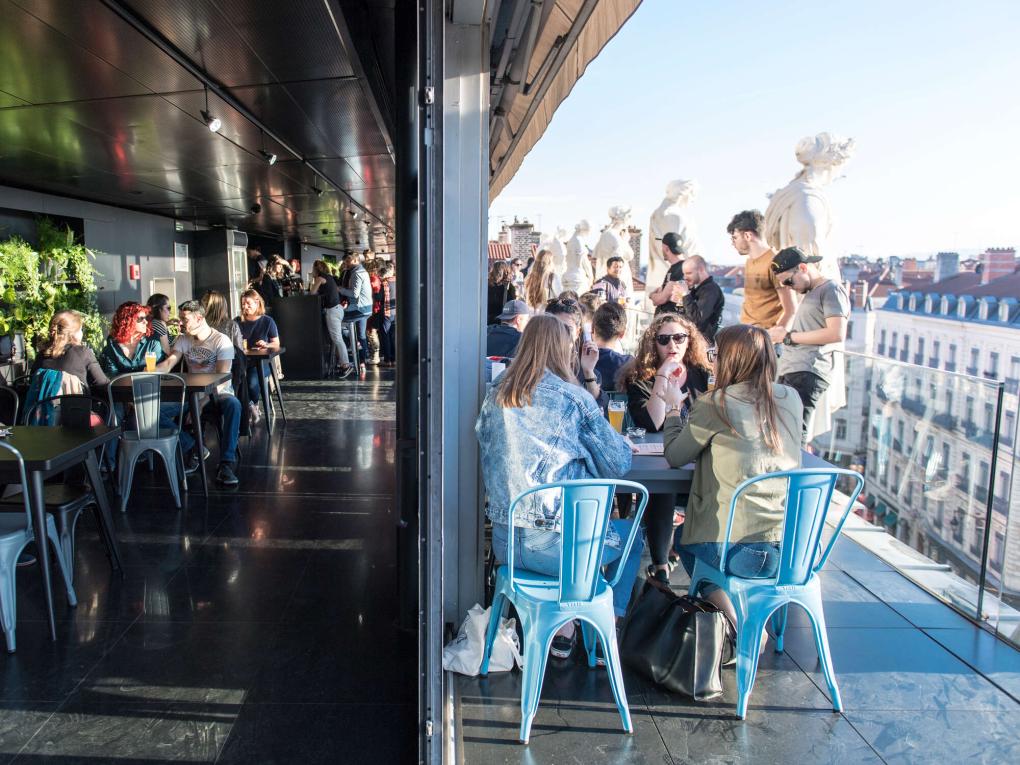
[562, 435]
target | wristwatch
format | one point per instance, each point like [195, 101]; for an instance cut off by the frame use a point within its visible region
[788, 339]
[589, 380]
[670, 408]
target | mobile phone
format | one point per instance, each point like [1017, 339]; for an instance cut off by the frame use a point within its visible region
[586, 331]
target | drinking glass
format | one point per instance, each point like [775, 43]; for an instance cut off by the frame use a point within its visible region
[150, 362]
[616, 412]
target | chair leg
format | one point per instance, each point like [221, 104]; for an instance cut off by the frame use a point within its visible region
[8, 603]
[66, 566]
[817, 616]
[127, 474]
[536, 652]
[496, 610]
[170, 462]
[779, 626]
[605, 629]
[589, 639]
[748, 645]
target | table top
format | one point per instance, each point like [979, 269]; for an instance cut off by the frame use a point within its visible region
[195, 382]
[651, 469]
[52, 447]
[264, 353]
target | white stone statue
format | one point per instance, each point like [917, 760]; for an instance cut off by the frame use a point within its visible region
[555, 243]
[798, 214]
[578, 276]
[614, 242]
[671, 215]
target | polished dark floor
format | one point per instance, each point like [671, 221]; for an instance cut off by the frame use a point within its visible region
[255, 626]
[920, 684]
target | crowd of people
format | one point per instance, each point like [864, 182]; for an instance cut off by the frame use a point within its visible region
[735, 401]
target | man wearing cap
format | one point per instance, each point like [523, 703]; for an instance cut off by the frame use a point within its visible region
[819, 327]
[502, 338]
[668, 297]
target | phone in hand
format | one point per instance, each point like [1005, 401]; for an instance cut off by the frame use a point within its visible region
[586, 331]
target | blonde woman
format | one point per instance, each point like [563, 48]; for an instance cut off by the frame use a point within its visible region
[542, 283]
[260, 333]
[536, 426]
[748, 425]
[62, 350]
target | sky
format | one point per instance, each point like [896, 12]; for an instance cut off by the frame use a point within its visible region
[721, 91]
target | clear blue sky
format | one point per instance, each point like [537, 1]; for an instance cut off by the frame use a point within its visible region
[721, 92]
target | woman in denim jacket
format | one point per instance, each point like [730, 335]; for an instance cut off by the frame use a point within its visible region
[537, 425]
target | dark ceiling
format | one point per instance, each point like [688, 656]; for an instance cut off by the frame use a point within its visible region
[93, 108]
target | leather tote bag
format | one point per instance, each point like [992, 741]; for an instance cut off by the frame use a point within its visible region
[676, 641]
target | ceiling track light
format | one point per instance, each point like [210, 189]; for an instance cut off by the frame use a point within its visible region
[213, 123]
[317, 190]
[268, 156]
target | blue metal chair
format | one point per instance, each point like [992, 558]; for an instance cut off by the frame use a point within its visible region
[546, 603]
[808, 495]
[16, 533]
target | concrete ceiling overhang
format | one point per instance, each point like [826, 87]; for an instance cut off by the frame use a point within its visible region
[540, 48]
[102, 100]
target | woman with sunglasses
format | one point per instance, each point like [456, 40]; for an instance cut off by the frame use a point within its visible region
[131, 338]
[668, 373]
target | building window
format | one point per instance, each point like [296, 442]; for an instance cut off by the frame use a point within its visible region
[905, 351]
[892, 345]
[975, 355]
[1009, 429]
[981, 485]
[998, 551]
[989, 418]
[936, 351]
[898, 444]
[1014, 367]
[896, 478]
[949, 403]
[968, 415]
[841, 430]
[993, 365]
[881, 342]
[964, 483]
[944, 467]
[951, 360]
[1002, 490]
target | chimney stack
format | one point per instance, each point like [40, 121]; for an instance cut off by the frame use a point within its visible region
[946, 264]
[860, 295]
[996, 262]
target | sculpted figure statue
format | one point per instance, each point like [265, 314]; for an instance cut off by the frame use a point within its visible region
[798, 214]
[555, 244]
[671, 215]
[613, 242]
[578, 276]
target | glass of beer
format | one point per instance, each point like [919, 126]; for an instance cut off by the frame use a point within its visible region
[150, 362]
[616, 411]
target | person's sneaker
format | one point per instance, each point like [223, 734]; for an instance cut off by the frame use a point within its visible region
[255, 415]
[191, 463]
[345, 372]
[600, 657]
[562, 647]
[225, 474]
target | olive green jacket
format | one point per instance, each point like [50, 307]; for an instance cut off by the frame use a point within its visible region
[725, 458]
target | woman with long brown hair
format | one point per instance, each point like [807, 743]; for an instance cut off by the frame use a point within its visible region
[63, 350]
[671, 364]
[538, 426]
[542, 283]
[325, 285]
[747, 426]
[501, 289]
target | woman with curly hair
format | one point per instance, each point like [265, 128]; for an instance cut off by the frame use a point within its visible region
[542, 283]
[668, 372]
[62, 350]
[130, 339]
[501, 289]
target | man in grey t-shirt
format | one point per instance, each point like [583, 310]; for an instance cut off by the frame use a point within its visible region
[819, 327]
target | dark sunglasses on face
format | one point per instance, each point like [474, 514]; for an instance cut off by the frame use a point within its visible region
[678, 338]
[788, 282]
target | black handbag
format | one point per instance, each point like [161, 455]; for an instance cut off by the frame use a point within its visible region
[679, 642]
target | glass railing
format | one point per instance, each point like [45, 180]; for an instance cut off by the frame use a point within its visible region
[939, 474]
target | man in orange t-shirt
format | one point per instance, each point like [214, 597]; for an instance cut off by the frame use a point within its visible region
[767, 303]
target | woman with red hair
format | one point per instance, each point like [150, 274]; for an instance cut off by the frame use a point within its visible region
[130, 340]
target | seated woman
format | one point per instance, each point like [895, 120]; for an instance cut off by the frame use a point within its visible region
[538, 426]
[131, 338]
[217, 316]
[159, 315]
[568, 311]
[671, 351]
[63, 352]
[260, 332]
[747, 426]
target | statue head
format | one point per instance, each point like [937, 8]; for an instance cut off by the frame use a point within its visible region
[619, 214]
[682, 191]
[561, 233]
[583, 228]
[823, 152]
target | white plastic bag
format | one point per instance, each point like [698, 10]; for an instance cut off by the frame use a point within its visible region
[463, 654]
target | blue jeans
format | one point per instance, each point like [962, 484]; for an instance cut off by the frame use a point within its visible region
[750, 560]
[539, 551]
[230, 425]
[360, 321]
[254, 389]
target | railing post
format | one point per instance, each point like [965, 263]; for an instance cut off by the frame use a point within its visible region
[989, 503]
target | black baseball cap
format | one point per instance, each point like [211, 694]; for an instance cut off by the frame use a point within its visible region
[672, 241]
[514, 308]
[791, 257]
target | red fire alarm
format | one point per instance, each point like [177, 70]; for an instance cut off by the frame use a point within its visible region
[134, 271]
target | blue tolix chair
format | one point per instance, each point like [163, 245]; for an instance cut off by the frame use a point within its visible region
[808, 495]
[546, 603]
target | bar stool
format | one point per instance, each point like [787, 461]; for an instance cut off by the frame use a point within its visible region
[353, 349]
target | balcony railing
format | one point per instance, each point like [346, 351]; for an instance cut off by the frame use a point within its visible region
[991, 375]
[881, 349]
[1012, 385]
[919, 358]
[933, 362]
[950, 366]
[972, 371]
[916, 406]
[904, 354]
[945, 420]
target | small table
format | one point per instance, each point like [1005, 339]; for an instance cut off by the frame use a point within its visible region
[196, 384]
[48, 450]
[657, 475]
[260, 355]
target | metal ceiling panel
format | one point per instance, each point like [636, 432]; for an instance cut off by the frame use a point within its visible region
[376, 170]
[6, 99]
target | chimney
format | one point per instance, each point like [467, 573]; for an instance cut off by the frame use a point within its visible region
[946, 264]
[860, 295]
[996, 262]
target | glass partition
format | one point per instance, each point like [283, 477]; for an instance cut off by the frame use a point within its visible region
[936, 451]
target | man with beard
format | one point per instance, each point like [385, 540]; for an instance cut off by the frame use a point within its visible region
[819, 327]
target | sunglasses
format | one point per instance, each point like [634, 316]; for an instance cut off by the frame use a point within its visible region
[678, 338]
[788, 282]
[141, 319]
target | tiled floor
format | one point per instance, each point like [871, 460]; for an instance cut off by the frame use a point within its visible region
[920, 684]
[258, 626]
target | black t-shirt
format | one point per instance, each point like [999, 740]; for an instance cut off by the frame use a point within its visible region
[328, 290]
[674, 274]
[639, 392]
[76, 360]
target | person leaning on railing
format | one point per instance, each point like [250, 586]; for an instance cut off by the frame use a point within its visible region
[748, 425]
[538, 426]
